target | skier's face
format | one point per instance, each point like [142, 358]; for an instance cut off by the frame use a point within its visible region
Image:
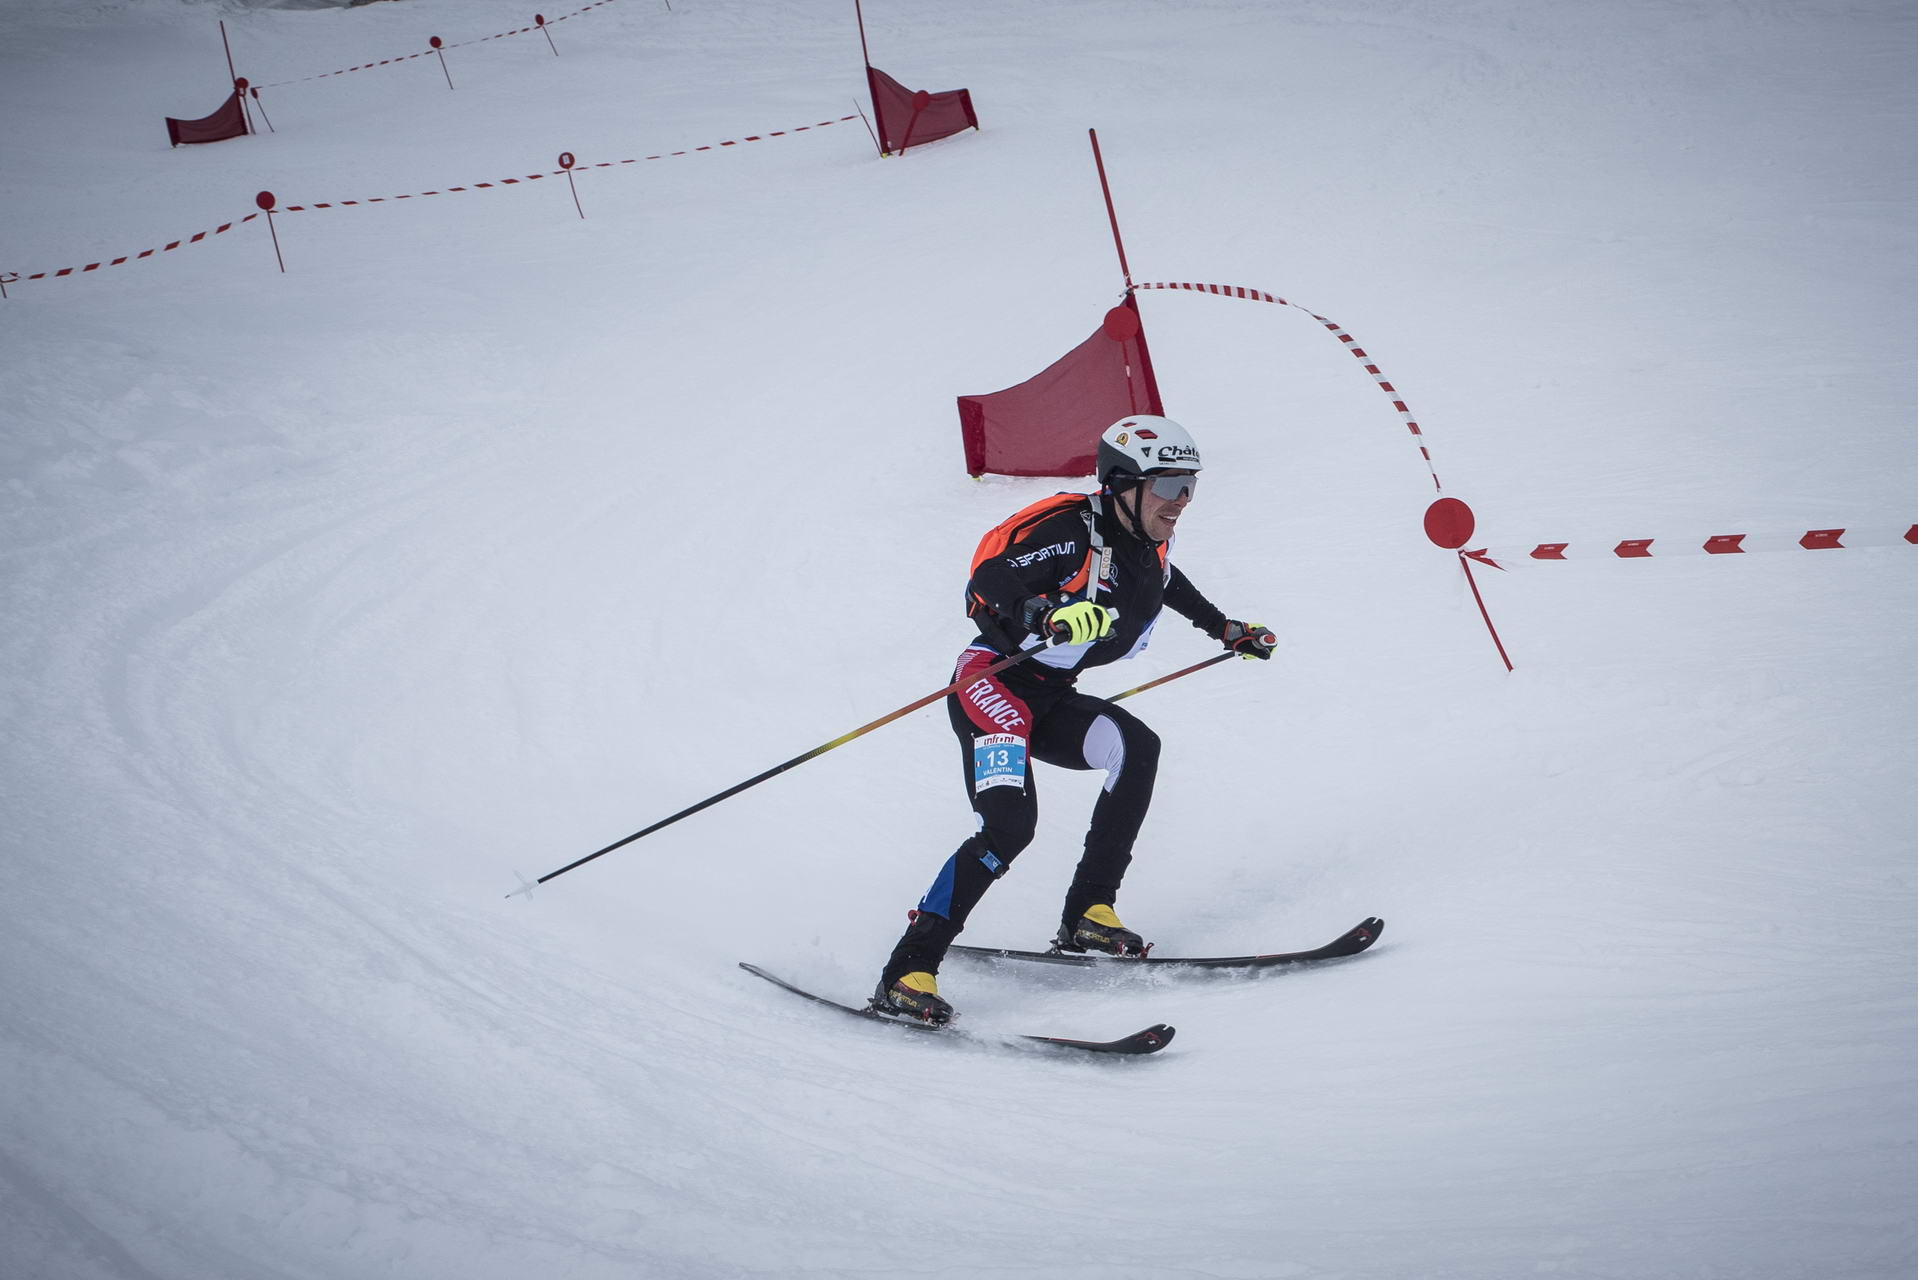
[1158, 515]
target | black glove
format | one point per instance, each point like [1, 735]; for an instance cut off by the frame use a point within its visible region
[1248, 639]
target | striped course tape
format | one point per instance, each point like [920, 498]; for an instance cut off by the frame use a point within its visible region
[427, 53]
[1718, 544]
[11, 277]
[195, 238]
[1351, 344]
[554, 173]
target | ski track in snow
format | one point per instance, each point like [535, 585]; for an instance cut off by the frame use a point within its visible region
[487, 534]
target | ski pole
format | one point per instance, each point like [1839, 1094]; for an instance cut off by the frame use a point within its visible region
[1182, 671]
[527, 889]
[1185, 671]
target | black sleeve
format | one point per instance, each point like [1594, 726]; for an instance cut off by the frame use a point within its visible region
[1040, 560]
[1183, 598]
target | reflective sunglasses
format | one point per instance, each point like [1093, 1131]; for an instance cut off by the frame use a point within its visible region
[1168, 488]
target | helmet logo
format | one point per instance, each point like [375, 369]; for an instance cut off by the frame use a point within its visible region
[1144, 444]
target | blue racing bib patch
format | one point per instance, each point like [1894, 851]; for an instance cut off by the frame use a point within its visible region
[998, 760]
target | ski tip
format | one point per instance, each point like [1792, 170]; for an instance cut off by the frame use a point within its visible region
[1359, 937]
[1150, 1040]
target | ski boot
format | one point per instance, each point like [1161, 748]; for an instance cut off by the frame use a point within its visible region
[1099, 930]
[914, 996]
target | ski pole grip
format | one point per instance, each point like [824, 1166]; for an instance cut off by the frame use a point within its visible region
[1060, 630]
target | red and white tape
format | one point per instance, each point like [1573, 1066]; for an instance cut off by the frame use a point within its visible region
[1717, 544]
[554, 173]
[425, 53]
[12, 277]
[195, 238]
[1337, 331]
[1448, 521]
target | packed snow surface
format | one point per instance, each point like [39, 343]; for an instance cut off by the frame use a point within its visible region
[487, 534]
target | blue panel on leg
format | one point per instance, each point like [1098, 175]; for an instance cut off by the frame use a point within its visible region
[938, 899]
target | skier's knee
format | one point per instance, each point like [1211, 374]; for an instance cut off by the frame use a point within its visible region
[1142, 748]
[1121, 745]
[1005, 839]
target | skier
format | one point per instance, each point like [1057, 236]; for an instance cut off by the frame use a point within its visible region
[1089, 571]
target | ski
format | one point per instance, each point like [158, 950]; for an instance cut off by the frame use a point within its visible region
[1150, 1040]
[1350, 943]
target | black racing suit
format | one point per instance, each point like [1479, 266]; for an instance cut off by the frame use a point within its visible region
[1033, 710]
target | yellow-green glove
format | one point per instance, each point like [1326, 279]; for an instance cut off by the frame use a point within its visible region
[1081, 622]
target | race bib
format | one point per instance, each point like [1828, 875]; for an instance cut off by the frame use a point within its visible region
[998, 760]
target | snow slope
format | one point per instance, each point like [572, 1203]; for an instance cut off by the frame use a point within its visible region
[487, 534]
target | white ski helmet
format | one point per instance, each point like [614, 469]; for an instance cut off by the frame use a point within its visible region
[1143, 444]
